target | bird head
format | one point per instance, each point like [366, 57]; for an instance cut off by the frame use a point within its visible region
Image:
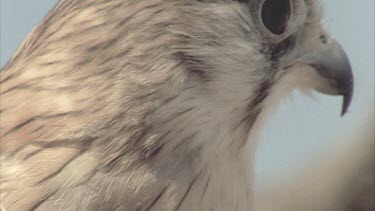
[253, 48]
[231, 58]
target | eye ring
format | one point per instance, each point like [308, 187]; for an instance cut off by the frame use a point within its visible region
[275, 15]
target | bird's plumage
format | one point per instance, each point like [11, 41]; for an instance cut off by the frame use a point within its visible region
[144, 105]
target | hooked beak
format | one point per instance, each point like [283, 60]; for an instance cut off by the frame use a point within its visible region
[333, 65]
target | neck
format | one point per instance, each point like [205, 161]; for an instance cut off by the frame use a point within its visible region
[214, 170]
[216, 177]
[221, 175]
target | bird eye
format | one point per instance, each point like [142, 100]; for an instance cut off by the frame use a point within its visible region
[275, 15]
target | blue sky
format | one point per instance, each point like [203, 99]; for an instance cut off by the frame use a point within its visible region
[300, 128]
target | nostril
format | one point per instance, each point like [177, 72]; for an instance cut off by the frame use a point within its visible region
[323, 39]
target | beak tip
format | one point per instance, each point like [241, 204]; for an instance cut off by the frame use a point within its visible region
[346, 103]
[347, 94]
[344, 111]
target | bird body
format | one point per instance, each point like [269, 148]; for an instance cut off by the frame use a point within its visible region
[145, 105]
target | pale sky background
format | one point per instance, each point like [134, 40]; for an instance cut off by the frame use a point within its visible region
[300, 128]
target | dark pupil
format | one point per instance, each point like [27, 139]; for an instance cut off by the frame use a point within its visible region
[275, 15]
